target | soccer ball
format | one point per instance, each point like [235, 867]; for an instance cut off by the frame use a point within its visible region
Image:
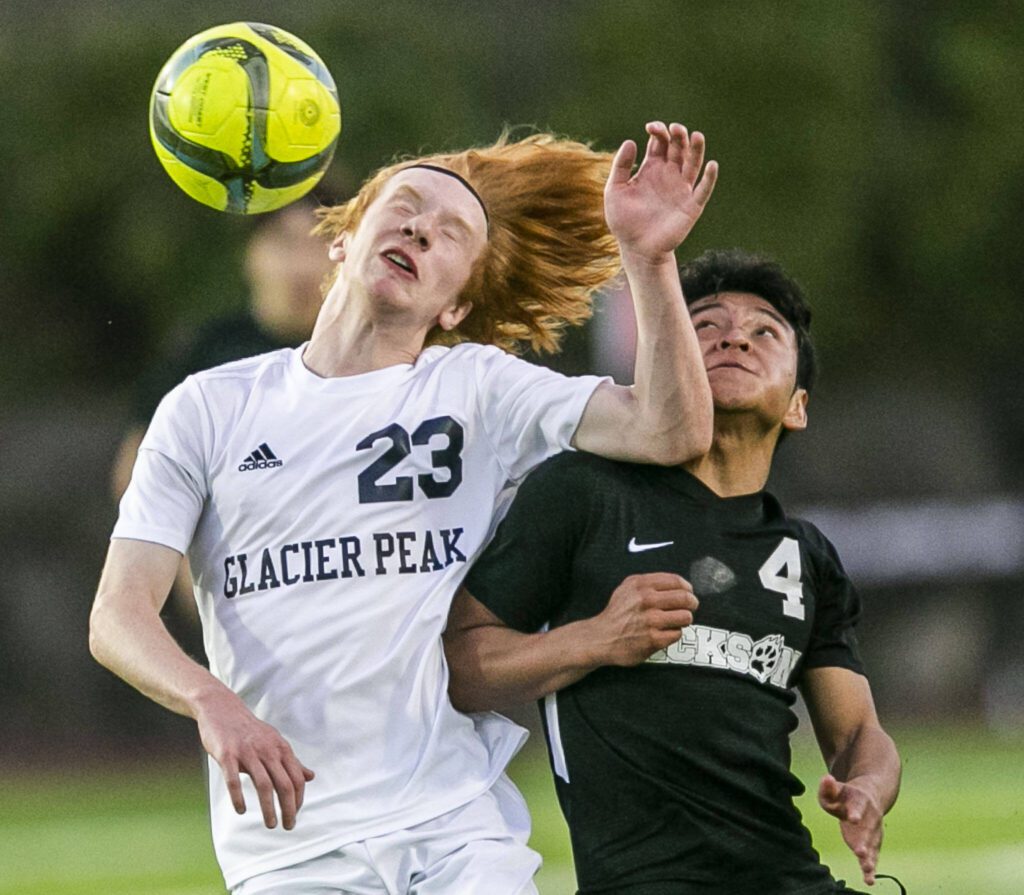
[245, 117]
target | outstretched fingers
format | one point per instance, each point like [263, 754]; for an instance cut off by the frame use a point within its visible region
[264, 790]
[233, 781]
[830, 792]
[679, 141]
[657, 141]
[622, 164]
[693, 158]
[861, 828]
[706, 185]
[278, 777]
[703, 184]
[288, 793]
[651, 211]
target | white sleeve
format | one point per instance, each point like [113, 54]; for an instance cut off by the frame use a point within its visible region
[165, 497]
[529, 412]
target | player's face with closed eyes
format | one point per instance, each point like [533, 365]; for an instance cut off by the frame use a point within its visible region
[415, 247]
[750, 354]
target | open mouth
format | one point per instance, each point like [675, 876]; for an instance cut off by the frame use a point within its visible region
[400, 260]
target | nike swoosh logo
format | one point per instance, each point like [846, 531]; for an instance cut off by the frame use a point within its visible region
[634, 547]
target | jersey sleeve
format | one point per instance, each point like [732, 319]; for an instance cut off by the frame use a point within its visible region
[838, 608]
[523, 576]
[165, 497]
[529, 412]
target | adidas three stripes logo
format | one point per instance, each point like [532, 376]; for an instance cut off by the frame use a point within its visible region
[261, 458]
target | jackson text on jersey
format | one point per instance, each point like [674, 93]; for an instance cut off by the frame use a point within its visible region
[767, 660]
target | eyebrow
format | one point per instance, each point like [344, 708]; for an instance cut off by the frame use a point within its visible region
[768, 312]
[457, 219]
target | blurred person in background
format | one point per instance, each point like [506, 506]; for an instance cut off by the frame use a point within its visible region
[285, 270]
[668, 704]
[330, 498]
[286, 267]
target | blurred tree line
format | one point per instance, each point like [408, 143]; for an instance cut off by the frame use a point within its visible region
[874, 147]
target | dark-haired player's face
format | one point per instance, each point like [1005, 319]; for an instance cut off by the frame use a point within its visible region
[750, 354]
[415, 247]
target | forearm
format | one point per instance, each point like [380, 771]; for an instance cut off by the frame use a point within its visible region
[138, 648]
[492, 666]
[869, 757]
[670, 387]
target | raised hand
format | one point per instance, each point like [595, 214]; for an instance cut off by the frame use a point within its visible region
[652, 211]
[243, 744]
[645, 613]
[860, 820]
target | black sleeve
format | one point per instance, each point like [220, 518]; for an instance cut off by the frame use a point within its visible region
[180, 359]
[215, 342]
[838, 608]
[523, 575]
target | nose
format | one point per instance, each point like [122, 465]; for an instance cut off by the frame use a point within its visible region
[734, 338]
[415, 230]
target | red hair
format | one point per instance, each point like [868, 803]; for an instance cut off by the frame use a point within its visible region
[548, 247]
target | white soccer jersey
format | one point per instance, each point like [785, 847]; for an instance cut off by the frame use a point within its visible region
[328, 523]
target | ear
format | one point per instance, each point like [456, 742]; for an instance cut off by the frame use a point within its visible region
[795, 418]
[449, 318]
[337, 250]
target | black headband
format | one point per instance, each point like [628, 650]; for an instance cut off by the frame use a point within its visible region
[460, 179]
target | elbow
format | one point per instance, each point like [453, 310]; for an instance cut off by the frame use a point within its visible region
[462, 699]
[680, 442]
[464, 676]
[692, 446]
[679, 447]
[98, 634]
[466, 696]
[698, 442]
[695, 440]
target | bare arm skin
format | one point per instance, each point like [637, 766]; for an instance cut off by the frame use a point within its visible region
[666, 415]
[120, 476]
[127, 636]
[864, 766]
[493, 665]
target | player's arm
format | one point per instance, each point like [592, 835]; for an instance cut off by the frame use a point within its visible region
[127, 636]
[120, 476]
[493, 665]
[864, 766]
[666, 415]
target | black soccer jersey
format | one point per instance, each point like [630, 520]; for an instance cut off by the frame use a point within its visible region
[216, 342]
[674, 775]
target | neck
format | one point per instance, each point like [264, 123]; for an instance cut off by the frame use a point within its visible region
[349, 339]
[740, 457]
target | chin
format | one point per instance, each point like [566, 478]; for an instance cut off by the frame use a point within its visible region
[732, 399]
[389, 294]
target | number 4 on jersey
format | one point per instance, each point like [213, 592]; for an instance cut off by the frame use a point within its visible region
[781, 573]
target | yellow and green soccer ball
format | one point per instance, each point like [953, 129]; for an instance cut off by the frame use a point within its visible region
[245, 117]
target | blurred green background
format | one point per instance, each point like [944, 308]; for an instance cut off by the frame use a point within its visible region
[874, 148]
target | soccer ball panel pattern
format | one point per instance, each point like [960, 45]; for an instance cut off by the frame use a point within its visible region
[245, 118]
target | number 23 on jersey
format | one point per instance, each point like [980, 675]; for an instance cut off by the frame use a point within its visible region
[446, 457]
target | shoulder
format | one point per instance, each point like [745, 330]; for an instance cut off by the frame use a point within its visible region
[809, 532]
[244, 372]
[822, 551]
[232, 383]
[465, 354]
[247, 367]
[585, 474]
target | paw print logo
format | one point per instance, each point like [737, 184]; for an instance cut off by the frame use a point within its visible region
[765, 655]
